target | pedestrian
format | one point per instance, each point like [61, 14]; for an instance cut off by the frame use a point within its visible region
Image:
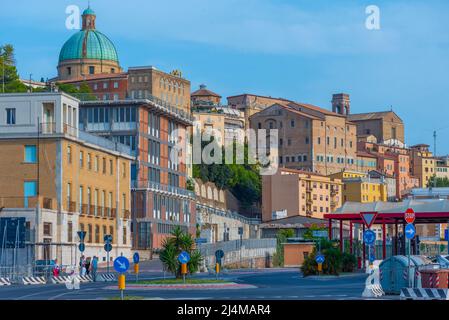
[82, 266]
[87, 266]
[93, 268]
[56, 268]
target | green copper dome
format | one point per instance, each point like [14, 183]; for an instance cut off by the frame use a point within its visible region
[88, 44]
[89, 11]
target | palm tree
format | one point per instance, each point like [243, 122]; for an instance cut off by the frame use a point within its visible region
[173, 246]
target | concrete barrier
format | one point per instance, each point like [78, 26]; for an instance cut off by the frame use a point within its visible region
[5, 282]
[106, 277]
[424, 294]
[33, 280]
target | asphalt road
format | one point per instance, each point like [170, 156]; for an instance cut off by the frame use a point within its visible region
[283, 284]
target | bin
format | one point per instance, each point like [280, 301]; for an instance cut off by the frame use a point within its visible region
[394, 272]
[436, 278]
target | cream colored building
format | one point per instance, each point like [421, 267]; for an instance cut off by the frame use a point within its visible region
[62, 179]
[293, 192]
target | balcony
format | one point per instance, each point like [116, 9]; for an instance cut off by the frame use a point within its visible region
[100, 212]
[162, 188]
[107, 213]
[47, 203]
[47, 128]
[71, 206]
[113, 213]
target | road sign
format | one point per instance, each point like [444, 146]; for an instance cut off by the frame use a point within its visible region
[81, 235]
[319, 258]
[107, 238]
[368, 218]
[409, 215]
[219, 254]
[136, 257]
[107, 247]
[369, 237]
[240, 230]
[121, 264]
[320, 233]
[184, 257]
[82, 247]
[410, 231]
[12, 232]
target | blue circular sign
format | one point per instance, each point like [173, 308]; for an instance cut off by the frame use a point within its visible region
[82, 247]
[184, 257]
[319, 258]
[410, 231]
[219, 254]
[136, 257]
[121, 264]
[107, 247]
[369, 237]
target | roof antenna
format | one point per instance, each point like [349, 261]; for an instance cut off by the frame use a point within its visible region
[391, 107]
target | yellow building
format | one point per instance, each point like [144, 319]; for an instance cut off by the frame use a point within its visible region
[61, 179]
[344, 174]
[364, 190]
[422, 163]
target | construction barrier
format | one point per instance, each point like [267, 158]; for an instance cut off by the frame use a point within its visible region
[5, 282]
[424, 294]
[60, 279]
[434, 279]
[85, 278]
[33, 280]
[107, 277]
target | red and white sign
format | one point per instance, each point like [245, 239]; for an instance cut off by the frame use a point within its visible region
[368, 218]
[409, 215]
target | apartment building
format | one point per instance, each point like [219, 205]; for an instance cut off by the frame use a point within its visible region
[62, 179]
[149, 83]
[159, 196]
[422, 163]
[310, 138]
[293, 192]
[442, 167]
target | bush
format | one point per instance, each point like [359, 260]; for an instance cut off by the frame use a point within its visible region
[349, 262]
[334, 263]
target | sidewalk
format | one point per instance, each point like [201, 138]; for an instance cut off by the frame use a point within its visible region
[208, 286]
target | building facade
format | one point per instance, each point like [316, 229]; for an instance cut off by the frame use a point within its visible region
[62, 179]
[297, 193]
[160, 200]
[422, 163]
[310, 138]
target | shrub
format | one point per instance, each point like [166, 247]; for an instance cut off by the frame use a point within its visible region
[349, 262]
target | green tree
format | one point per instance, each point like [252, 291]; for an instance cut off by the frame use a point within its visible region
[171, 248]
[9, 77]
[440, 182]
[281, 238]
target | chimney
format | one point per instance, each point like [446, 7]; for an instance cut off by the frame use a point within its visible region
[341, 103]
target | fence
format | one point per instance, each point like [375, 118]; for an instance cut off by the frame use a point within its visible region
[208, 249]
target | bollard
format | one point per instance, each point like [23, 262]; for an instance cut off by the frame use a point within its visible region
[320, 267]
[121, 284]
[217, 269]
[136, 271]
[184, 271]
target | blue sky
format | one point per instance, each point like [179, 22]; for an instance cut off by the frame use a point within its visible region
[304, 50]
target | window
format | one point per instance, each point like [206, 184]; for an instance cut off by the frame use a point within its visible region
[95, 86]
[96, 164]
[105, 85]
[69, 154]
[259, 125]
[104, 165]
[81, 159]
[124, 235]
[81, 191]
[97, 233]
[30, 154]
[112, 70]
[69, 231]
[47, 229]
[111, 232]
[91, 69]
[69, 70]
[89, 161]
[124, 170]
[10, 116]
[292, 123]
[29, 190]
[319, 140]
[111, 167]
[89, 233]
[69, 195]
[115, 85]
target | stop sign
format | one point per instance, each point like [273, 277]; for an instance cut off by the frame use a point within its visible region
[409, 215]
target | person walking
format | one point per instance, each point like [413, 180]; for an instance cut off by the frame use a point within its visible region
[82, 266]
[93, 268]
[87, 266]
[56, 268]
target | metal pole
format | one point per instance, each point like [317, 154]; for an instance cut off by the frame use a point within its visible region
[341, 236]
[384, 240]
[364, 249]
[350, 237]
[408, 254]
[107, 258]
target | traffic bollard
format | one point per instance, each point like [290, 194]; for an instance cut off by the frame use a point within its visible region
[121, 284]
